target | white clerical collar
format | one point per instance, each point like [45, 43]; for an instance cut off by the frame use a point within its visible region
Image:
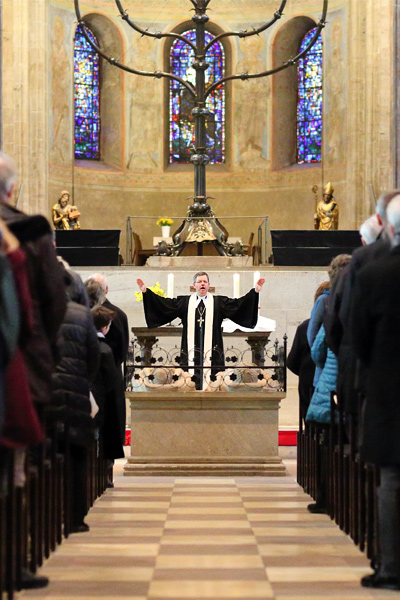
[200, 298]
[101, 335]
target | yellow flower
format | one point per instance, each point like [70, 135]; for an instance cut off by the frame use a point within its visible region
[164, 221]
[155, 288]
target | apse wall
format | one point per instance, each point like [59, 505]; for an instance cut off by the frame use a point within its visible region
[260, 176]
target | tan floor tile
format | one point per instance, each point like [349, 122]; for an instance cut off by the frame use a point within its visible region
[200, 539]
[103, 574]
[210, 589]
[206, 511]
[126, 516]
[119, 504]
[111, 550]
[208, 562]
[309, 549]
[314, 574]
[292, 531]
[223, 499]
[99, 530]
[211, 524]
[273, 504]
[288, 516]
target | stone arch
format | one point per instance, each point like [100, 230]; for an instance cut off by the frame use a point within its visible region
[284, 92]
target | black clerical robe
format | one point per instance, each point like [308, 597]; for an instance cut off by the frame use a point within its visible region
[243, 311]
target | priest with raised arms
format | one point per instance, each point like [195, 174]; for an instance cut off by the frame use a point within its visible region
[201, 314]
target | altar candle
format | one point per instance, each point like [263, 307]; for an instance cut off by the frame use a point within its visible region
[256, 278]
[170, 288]
[236, 285]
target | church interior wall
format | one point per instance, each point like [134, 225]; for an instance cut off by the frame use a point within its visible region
[259, 177]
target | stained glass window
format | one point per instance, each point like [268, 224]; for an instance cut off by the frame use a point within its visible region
[181, 121]
[309, 102]
[87, 97]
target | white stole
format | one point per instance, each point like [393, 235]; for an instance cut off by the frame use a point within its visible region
[208, 331]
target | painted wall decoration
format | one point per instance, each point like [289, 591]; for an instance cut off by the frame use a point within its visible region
[144, 111]
[60, 94]
[181, 128]
[309, 103]
[87, 97]
[251, 99]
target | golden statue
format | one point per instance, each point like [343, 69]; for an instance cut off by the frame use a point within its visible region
[327, 215]
[65, 216]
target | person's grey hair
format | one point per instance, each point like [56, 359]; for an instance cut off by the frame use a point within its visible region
[370, 229]
[393, 214]
[95, 291]
[200, 274]
[383, 203]
[337, 264]
[8, 174]
[100, 278]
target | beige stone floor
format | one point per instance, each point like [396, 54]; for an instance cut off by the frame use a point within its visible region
[206, 538]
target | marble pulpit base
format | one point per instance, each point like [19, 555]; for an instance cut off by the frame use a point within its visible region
[199, 433]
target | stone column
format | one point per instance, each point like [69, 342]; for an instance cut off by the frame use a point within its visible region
[25, 98]
[369, 102]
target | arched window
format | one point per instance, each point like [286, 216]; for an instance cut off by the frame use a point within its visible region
[181, 122]
[87, 97]
[309, 102]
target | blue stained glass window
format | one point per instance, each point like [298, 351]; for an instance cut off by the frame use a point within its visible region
[87, 97]
[181, 103]
[309, 102]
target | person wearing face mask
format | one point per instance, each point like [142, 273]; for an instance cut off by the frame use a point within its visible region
[201, 314]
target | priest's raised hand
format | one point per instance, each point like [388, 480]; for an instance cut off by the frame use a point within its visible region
[141, 284]
[259, 284]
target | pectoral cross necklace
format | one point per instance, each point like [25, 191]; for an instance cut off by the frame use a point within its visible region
[200, 320]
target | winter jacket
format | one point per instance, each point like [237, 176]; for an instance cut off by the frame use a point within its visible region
[79, 351]
[320, 405]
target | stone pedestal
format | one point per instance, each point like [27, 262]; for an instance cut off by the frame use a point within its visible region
[198, 262]
[198, 433]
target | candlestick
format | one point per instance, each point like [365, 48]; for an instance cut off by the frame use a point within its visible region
[256, 277]
[170, 287]
[236, 285]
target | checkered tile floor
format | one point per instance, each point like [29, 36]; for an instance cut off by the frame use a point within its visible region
[205, 538]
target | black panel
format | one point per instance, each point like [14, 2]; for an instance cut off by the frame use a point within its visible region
[89, 247]
[311, 248]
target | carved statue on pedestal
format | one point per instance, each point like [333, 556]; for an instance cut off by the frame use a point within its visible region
[65, 216]
[327, 213]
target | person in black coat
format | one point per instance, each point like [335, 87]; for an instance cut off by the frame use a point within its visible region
[118, 334]
[107, 391]
[375, 326]
[79, 353]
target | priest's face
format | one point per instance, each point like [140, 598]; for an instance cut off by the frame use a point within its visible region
[202, 284]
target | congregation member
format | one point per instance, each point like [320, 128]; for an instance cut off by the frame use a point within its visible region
[118, 335]
[375, 325]
[79, 354]
[319, 410]
[201, 314]
[299, 359]
[107, 393]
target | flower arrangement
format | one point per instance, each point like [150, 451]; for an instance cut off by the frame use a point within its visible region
[164, 221]
[155, 288]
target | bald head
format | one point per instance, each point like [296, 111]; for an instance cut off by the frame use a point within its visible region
[370, 229]
[8, 175]
[100, 278]
[393, 214]
[383, 203]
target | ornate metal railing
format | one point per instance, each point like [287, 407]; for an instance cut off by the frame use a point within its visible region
[234, 370]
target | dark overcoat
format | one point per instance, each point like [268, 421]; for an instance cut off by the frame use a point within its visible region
[375, 326]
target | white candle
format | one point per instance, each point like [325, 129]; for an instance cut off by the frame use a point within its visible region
[256, 277]
[236, 285]
[170, 288]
